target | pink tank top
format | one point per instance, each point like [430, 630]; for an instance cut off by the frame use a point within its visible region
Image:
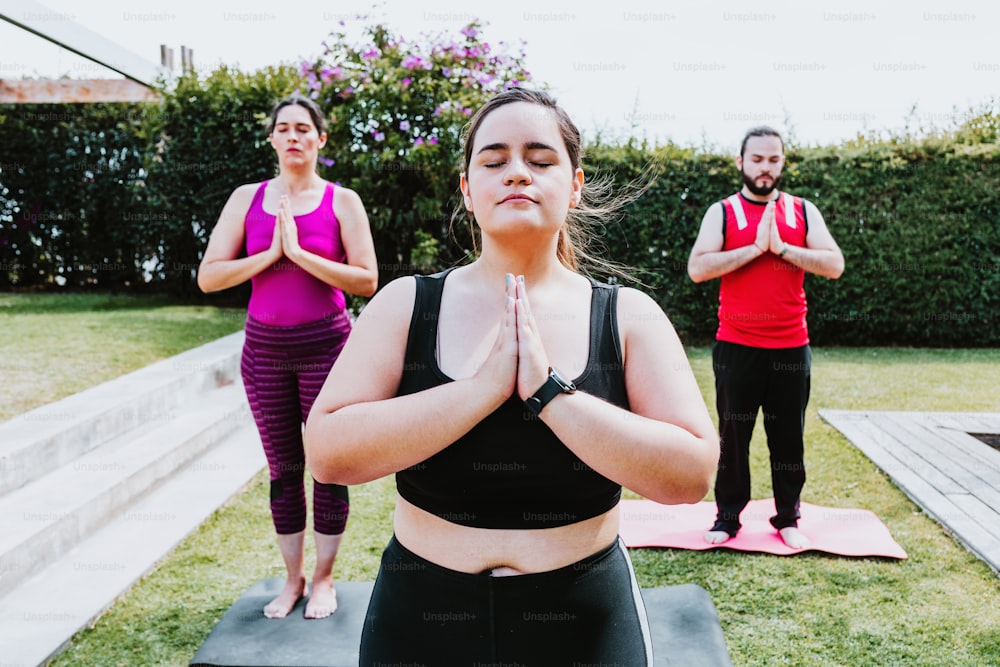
[285, 294]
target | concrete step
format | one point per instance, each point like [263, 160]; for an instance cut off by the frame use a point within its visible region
[43, 520]
[40, 615]
[35, 443]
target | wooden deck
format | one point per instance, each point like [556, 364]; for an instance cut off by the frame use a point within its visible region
[952, 475]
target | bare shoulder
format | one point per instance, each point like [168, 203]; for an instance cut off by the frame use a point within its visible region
[635, 307]
[710, 238]
[392, 305]
[245, 193]
[345, 197]
[239, 201]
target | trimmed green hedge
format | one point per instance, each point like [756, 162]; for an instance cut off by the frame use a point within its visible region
[918, 223]
[124, 196]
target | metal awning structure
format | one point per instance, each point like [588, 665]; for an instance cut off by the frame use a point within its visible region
[141, 76]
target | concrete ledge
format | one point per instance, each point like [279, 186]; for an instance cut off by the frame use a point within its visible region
[41, 615]
[47, 517]
[34, 443]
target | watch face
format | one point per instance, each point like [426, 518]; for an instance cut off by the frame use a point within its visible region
[565, 384]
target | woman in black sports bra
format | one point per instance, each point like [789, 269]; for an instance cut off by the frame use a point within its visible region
[513, 397]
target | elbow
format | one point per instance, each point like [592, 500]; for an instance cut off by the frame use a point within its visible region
[686, 492]
[695, 490]
[324, 461]
[833, 272]
[701, 489]
[700, 482]
[203, 284]
[204, 280]
[695, 275]
[370, 286]
[330, 473]
[324, 466]
[366, 284]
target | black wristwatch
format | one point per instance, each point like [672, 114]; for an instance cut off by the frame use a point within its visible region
[554, 386]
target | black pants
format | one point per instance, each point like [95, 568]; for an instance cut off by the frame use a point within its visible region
[748, 379]
[590, 612]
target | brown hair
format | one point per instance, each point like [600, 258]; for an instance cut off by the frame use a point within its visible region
[760, 131]
[598, 205]
[318, 119]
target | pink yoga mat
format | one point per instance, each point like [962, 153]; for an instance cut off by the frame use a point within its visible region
[845, 532]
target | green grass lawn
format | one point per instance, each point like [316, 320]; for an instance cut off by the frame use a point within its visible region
[941, 606]
[54, 345]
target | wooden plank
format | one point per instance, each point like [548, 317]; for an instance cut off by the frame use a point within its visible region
[974, 448]
[984, 515]
[970, 422]
[978, 457]
[955, 427]
[927, 443]
[884, 451]
[963, 515]
[982, 540]
[59, 28]
[60, 91]
[912, 456]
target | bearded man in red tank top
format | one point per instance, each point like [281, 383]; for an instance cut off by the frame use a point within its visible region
[761, 242]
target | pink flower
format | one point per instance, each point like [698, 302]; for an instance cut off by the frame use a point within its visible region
[407, 81]
[469, 31]
[419, 141]
[411, 61]
[404, 126]
[432, 139]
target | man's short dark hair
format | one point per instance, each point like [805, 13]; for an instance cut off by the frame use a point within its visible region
[761, 131]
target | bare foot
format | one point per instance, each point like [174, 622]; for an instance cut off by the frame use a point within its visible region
[322, 601]
[793, 538]
[716, 536]
[289, 595]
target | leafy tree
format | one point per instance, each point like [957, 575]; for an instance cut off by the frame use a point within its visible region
[397, 109]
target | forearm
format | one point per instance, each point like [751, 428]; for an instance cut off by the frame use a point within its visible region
[823, 262]
[364, 441]
[709, 265]
[660, 461]
[360, 280]
[220, 274]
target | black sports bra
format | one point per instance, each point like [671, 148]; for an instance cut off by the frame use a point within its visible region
[510, 470]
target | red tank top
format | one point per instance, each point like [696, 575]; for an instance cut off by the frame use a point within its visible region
[285, 294]
[763, 303]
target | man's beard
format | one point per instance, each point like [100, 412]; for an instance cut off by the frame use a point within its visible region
[757, 190]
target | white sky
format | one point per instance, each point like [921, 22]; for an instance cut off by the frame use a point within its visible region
[696, 73]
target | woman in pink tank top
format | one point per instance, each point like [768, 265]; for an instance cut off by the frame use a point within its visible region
[306, 244]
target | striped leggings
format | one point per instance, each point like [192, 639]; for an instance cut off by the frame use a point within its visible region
[284, 368]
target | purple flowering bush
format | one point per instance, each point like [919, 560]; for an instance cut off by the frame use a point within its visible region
[396, 112]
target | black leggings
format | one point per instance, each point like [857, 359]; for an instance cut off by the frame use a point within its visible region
[748, 380]
[590, 612]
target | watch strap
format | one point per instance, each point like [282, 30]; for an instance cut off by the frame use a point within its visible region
[551, 388]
